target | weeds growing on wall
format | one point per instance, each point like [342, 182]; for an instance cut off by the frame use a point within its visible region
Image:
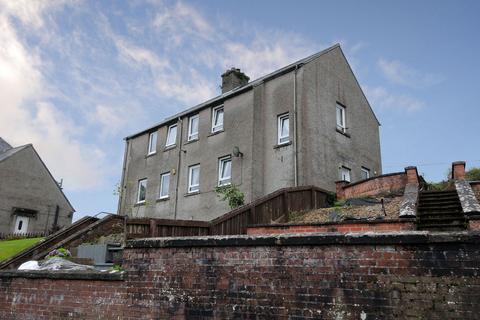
[232, 194]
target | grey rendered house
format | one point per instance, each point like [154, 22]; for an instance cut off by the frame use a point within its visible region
[31, 201]
[308, 123]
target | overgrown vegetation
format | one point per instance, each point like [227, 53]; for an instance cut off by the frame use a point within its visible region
[60, 252]
[9, 248]
[232, 194]
[471, 175]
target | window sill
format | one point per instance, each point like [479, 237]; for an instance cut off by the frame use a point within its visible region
[151, 154]
[343, 133]
[139, 204]
[194, 193]
[277, 146]
[215, 133]
[173, 146]
[224, 184]
[163, 199]
[190, 141]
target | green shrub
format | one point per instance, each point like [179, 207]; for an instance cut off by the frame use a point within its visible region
[232, 194]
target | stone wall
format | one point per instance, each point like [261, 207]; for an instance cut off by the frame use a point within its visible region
[476, 189]
[318, 276]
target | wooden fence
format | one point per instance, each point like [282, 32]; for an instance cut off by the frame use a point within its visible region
[274, 207]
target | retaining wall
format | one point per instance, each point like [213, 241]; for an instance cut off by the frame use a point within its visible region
[317, 276]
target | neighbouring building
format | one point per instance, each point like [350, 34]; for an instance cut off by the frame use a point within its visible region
[31, 201]
[308, 123]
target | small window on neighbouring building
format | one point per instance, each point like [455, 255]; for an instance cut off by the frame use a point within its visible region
[142, 190]
[341, 124]
[152, 143]
[193, 128]
[193, 178]
[345, 174]
[217, 119]
[164, 185]
[224, 171]
[365, 173]
[283, 129]
[171, 136]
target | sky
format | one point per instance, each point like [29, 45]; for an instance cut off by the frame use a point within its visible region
[76, 77]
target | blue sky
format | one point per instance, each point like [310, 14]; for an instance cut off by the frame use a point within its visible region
[78, 76]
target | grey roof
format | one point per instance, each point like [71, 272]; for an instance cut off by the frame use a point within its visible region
[4, 145]
[10, 152]
[239, 90]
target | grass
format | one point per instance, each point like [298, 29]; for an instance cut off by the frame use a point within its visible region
[9, 248]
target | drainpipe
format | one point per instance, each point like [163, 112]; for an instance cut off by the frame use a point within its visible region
[178, 167]
[295, 138]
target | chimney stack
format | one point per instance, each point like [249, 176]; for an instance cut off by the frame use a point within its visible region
[233, 78]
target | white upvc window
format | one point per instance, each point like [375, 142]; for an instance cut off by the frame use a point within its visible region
[217, 119]
[365, 173]
[193, 178]
[171, 135]
[224, 171]
[341, 124]
[345, 174]
[142, 191]
[193, 128]
[152, 143]
[283, 129]
[164, 185]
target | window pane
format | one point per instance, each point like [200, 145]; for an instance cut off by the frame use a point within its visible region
[193, 130]
[194, 178]
[152, 143]
[339, 117]
[285, 128]
[142, 190]
[225, 171]
[164, 186]
[217, 123]
[172, 135]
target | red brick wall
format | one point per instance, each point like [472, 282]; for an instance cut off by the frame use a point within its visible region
[474, 224]
[476, 189]
[377, 185]
[412, 275]
[335, 227]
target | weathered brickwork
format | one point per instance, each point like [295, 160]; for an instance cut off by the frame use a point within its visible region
[476, 189]
[385, 276]
[382, 184]
[343, 227]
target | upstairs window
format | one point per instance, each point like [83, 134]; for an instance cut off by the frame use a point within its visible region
[345, 174]
[171, 136]
[283, 129]
[164, 185]
[217, 119]
[365, 173]
[152, 143]
[142, 191]
[193, 178]
[224, 171]
[193, 128]
[341, 124]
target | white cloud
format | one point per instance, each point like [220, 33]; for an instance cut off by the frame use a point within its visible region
[399, 73]
[381, 98]
[26, 117]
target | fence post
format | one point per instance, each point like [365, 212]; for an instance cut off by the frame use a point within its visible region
[153, 228]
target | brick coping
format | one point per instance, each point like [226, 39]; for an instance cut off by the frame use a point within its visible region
[62, 275]
[329, 223]
[306, 239]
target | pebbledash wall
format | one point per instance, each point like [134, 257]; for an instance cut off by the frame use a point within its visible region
[298, 276]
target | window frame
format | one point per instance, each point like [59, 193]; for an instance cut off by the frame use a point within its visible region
[138, 190]
[220, 180]
[217, 128]
[347, 169]
[280, 119]
[365, 170]
[193, 136]
[162, 176]
[190, 186]
[343, 111]
[152, 148]
[168, 135]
